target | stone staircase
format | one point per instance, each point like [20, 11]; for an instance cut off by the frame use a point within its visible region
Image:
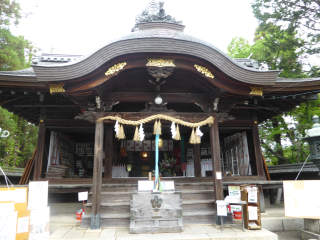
[197, 204]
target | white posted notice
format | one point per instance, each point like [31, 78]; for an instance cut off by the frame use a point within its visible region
[20, 195]
[38, 195]
[253, 213]
[221, 208]
[8, 222]
[23, 224]
[252, 195]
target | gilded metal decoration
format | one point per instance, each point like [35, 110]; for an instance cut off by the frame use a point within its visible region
[256, 91]
[41, 120]
[56, 88]
[204, 71]
[156, 202]
[154, 12]
[115, 68]
[160, 62]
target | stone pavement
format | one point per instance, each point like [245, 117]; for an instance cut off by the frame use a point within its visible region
[190, 232]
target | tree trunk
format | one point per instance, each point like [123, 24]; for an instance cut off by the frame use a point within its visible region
[277, 139]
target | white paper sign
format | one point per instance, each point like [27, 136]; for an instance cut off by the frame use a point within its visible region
[8, 223]
[167, 185]
[234, 191]
[252, 196]
[82, 196]
[145, 185]
[218, 175]
[7, 196]
[253, 213]
[20, 195]
[23, 224]
[38, 195]
[6, 207]
[221, 208]
[39, 224]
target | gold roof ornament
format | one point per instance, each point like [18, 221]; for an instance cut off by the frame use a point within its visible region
[204, 71]
[115, 68]
[160, 62]
[56, 88]
[256, 91]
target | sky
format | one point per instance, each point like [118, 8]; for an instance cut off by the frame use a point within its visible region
[82, 26]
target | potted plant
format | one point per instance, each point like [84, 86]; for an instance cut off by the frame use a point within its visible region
[168, 166]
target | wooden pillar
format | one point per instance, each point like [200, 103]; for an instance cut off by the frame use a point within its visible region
[97, 174]
[257, 148]
[216, 161]
[108, 152]
[197, 160]
[40, 146]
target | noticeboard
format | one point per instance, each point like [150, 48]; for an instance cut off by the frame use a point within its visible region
[302, 199]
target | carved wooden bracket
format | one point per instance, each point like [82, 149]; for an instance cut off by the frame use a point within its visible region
[222, 117]
[86, 115]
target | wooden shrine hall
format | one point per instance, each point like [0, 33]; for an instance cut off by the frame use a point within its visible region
[156, 69]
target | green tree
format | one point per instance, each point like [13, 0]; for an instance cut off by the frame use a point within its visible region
[281, 49]
[302, 16]
[15, 53]
[239, 48]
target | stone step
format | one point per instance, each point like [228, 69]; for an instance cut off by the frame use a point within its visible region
[123, 219]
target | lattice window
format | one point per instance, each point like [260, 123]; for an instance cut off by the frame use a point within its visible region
[317, 147]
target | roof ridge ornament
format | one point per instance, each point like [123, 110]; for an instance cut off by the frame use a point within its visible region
[154, 12]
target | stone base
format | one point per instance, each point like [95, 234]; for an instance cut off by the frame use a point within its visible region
[306, 235]
[312, 225]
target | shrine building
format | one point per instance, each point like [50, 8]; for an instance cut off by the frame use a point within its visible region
[155, 69]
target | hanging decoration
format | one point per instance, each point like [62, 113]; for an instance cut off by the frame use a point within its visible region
[116, 129]
[121, 133]
[173, 130]
[195, 137]
[192, 139]
[136, 135]
[177, 136]
[141, 133]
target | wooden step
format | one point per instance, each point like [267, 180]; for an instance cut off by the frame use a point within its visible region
[112, 197]
[197, 205]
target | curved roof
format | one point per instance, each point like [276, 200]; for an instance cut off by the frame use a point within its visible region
[160, 40]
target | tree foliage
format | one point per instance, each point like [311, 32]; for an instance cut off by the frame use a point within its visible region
[280, 44]
[19, 146]
[15, 53]
[302, 16]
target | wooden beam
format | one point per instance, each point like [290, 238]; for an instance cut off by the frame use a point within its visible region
[48, 106]
[150, 96]
[108, 152]
[97, 175]
[197, 160]
[40, 147]
[216, 161]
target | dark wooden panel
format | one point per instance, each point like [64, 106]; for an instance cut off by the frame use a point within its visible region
[216, 161]
[197, 160]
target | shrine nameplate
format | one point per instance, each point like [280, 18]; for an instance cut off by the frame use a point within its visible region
[156, 212]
